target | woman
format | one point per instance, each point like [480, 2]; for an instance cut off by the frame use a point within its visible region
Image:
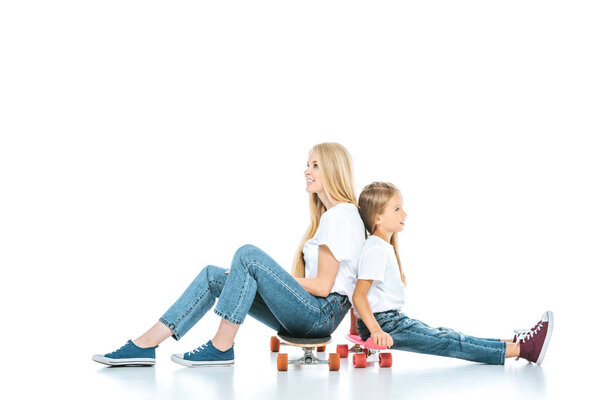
[310, 302]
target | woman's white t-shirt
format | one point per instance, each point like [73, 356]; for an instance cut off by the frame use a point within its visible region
[340, 229]
[378, 263]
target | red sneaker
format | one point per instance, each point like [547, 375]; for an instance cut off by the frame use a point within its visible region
[534, 342]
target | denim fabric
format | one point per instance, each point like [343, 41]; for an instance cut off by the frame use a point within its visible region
[413, 335]
[258, 286]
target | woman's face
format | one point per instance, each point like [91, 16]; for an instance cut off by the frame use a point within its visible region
[313, 175]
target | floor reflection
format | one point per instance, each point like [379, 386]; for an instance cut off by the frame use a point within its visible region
[527, 380]
[409, 378]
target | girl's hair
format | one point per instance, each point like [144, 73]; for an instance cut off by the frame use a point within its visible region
[372, 201]
[337, 177]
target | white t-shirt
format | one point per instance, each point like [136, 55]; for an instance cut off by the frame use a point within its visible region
[342, 231]
[378, 263]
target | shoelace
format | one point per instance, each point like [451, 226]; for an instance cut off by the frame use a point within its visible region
[520, 333]
[203, 347]
[119, 349]
[526, 334]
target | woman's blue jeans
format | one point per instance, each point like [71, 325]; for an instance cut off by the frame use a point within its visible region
[413, 335]
[258, 286]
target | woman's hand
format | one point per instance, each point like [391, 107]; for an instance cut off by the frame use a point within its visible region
[321, 285]
[382, 338]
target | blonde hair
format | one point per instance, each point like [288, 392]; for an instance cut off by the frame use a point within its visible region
[372, 201]
[337, 177]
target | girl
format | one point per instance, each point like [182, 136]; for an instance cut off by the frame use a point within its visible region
[379, 296]
[309, 303]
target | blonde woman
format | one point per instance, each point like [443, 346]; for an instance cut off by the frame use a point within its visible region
[379, 296]
[310, 302]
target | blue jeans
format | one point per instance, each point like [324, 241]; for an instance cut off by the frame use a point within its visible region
[258, 286]
[413, 335]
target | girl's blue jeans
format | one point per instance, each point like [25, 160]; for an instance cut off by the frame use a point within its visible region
[258, 286]
[413, 335]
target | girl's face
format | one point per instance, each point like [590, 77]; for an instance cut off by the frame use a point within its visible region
[392, 219]
[313, 175]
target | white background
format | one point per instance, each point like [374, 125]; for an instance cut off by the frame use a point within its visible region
[142, 140]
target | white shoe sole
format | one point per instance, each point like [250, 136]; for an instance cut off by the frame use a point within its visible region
[547, 339]
[123, 361]
[178, 358]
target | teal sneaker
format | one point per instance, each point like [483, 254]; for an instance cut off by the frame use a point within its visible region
[128, 354]
[204, 356]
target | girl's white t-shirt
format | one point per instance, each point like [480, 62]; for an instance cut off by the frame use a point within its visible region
[378, 263]
[341, 229]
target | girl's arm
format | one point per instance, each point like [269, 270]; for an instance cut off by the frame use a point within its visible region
[327, 271]
[359, 299]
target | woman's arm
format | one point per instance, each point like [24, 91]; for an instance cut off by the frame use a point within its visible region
[359, 299]
[326, 273]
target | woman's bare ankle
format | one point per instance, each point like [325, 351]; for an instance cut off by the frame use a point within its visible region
[221, 345]
[143, 344]
[154, 336]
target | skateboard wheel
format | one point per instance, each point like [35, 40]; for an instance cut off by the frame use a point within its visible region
[359, 360]
[282, 362]
[321, 349]
[342, 350]
[334, 362]
[385, 360]
[274, 344]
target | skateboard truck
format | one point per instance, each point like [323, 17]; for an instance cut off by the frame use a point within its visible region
[364, 350]
[308, 358]
[308, 345]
